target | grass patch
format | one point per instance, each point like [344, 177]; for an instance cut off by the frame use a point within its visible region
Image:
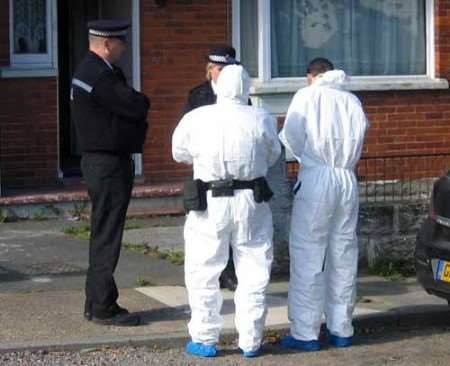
[8, 215]
[133, 225]
[81, 232]
[40, 215]
[137, 248]
[394, 270]
[141, 281]
[173, 256]
[84, 232]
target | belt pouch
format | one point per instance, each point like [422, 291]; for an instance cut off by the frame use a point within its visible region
[194, 196]
[261, 190]
[221, 188]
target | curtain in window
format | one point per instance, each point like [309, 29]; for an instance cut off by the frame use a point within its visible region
[363, 37]
[30, 25]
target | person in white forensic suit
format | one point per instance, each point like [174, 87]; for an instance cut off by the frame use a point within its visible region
[324, 128]
[228, 141]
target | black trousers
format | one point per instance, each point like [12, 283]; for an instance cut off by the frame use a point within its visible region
[229, 270]
[109, 180]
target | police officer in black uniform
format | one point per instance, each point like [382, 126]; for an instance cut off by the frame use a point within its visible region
[110, 119]
[218, 57]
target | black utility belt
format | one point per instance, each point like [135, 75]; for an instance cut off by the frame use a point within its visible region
[194, 196]
[226, 187]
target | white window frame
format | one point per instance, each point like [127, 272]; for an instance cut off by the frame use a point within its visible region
[34, 60]
[265, 84]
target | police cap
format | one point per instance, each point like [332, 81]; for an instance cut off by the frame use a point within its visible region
[222, 54]
[108, 28]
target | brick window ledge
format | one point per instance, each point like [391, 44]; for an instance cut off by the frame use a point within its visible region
[288, 86]
[15, 72]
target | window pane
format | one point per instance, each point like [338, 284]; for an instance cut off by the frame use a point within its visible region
[30, 23]
[363, 37]
[249, 36]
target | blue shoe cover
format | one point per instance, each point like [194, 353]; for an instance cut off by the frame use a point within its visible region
[200, 349]
[291, 342]
[250, 354]
[340, 342]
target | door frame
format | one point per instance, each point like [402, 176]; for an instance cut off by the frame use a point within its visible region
[136, 60]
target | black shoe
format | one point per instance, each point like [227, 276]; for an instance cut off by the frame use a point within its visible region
[114, 309]
[227, 281]
[87, 310]
[121, 320]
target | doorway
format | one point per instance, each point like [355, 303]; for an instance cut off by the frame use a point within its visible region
[73, 16]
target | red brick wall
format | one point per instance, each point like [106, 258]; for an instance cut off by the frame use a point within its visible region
[174, 42]
[407, 122]
[442, 37]
[28, 132]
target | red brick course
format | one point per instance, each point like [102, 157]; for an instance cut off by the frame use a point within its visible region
[28, 132]
[174, 42]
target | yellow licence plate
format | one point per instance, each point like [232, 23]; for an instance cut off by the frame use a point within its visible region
[443, 271]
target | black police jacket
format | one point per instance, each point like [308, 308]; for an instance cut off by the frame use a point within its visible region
[201, 95]
[109, 115]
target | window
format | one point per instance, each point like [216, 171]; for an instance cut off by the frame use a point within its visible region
[366, 38]
[31, 34]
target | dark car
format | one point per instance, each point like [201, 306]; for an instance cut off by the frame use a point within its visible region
[432, 255]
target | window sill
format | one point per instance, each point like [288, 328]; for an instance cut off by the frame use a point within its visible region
[10, 72]
[286, 86]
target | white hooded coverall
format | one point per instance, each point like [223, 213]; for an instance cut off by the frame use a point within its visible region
[324, 130]
[228, 140]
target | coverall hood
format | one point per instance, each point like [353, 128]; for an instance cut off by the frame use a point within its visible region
[335, 78]
[233, 84]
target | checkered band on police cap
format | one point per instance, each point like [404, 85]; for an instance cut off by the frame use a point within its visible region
[108, 28]
[222, 54]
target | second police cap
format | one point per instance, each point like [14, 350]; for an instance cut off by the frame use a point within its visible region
[222, 54]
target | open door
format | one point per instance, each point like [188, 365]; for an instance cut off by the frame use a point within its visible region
[73, 16]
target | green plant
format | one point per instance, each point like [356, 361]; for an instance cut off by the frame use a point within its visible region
[133, 225]
[141, 281]
[8, 215]
[53, 209]
[394, 269]
[137, 248]
[79, 208]
[82, 232]
[40, 215]
[174, 256]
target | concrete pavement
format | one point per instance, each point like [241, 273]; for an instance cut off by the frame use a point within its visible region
[41, 292]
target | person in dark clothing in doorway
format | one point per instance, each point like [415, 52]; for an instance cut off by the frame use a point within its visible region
[203, 94]
[110, 119]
